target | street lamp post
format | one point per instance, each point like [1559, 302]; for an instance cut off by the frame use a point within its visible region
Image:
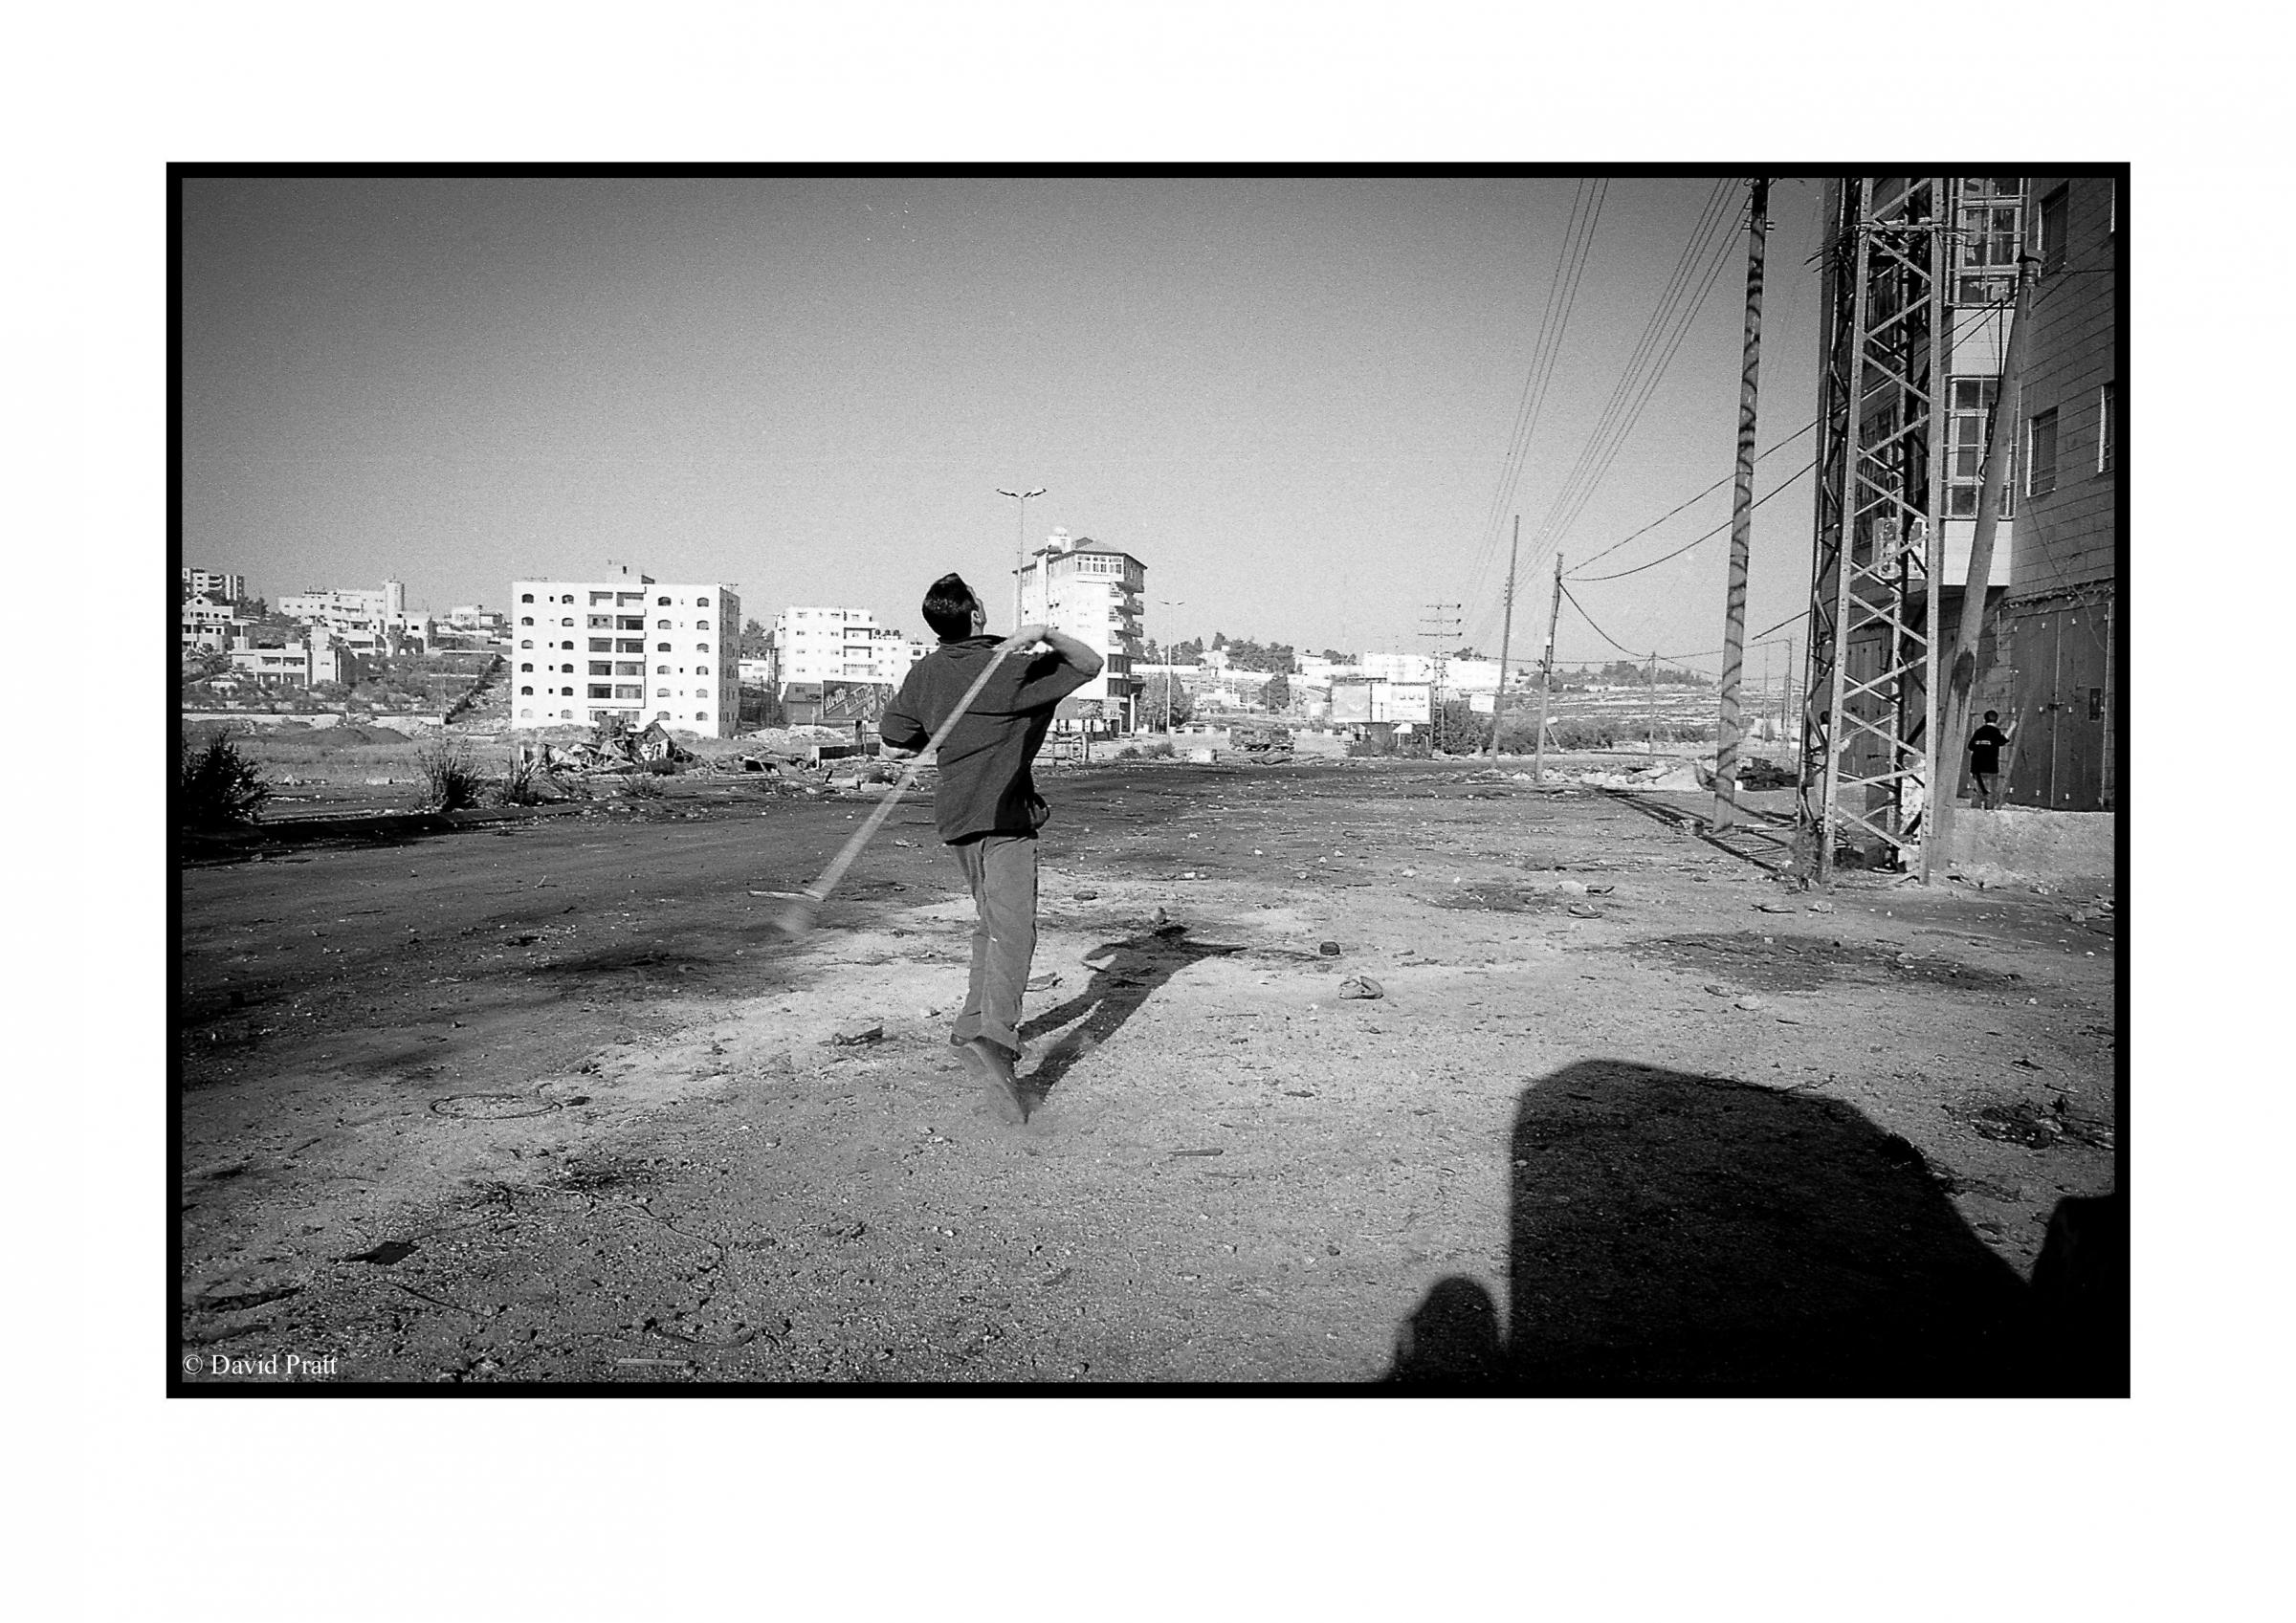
[1169, 603]
[1019, 546]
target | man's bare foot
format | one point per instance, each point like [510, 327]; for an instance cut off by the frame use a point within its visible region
[1002, 1086]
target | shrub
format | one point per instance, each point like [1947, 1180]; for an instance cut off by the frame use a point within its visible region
[220, 786]
[520, 785]
[454, 780]
[641, 785]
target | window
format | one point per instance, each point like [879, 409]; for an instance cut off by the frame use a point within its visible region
[701, 671]
[602, 645]
[2108, 432]
[661, 716]
[602, 668]
[567, 692]
[701, 624]
[526, 716]
[527, 643]
[701, 602]
[601, 690]
[567, 622]
[569, 598]
[565, 715]
[661, 670]
[527, 597]
[526, 693]
[526, 669]
[661, 692]
[526, 619]
[701, 715]
[661, 603]
[661, 648]
[701, 648]
[567, 669]
[1986, 242]
[567, 645]
[602, 623]
[597, 597]
[1971, 411]
[2053, 211]
[2041, 453]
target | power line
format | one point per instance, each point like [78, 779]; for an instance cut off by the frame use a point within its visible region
[1710, 489]
[1788, 484]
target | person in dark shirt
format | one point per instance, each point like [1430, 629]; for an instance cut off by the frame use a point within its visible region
[985, 805]
[1985, 746]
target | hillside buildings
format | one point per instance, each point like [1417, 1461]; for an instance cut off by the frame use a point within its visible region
[224, 587]
[372, 622]
[1091, 592]
[632, 648]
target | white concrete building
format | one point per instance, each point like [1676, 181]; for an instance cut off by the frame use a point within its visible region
[840, 644]
[372, 621]
[204, 623]
[212, 584]
[642, 650]
[1093, 591]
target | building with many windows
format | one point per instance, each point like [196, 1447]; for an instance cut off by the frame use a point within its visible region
[224, 587]
[1093, 591]
[635, 648]
[840, 644]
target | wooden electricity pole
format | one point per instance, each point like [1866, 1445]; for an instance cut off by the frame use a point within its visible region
[1741, 522]
[1498, 700]
[1961, 687]
[1546, 680]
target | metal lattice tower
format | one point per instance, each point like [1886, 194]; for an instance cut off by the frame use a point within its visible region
[1870, 706]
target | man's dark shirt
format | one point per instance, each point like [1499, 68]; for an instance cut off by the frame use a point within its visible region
[1985, 748]
[985, 784]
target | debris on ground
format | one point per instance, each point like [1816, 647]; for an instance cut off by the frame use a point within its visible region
[854, 1036]
[1361, 986]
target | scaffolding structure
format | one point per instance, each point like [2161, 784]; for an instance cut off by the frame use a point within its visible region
[1870, 699]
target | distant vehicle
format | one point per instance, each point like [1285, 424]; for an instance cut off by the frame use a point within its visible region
[1261, 740]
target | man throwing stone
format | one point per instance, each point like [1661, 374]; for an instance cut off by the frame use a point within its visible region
[986, 805]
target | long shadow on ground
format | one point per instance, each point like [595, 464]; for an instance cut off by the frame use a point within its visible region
[1680, 1234]
[1125, 974]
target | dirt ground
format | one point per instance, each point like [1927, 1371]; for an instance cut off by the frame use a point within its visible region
[547, 1099]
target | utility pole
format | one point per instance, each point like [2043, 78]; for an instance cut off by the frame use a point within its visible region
[1741, 521]
[1020, 549]
[1498, 700]
[1440, 625]
[1650, 710]
[1945, 750]
[1546, 680]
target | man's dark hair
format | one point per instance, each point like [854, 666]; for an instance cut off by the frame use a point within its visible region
[949, 607]
[1993, 715]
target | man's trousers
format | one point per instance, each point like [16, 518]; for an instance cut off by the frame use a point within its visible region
[1000, 868]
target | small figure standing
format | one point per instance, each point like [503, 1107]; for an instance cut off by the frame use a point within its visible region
[1985, 747]
[985, 805]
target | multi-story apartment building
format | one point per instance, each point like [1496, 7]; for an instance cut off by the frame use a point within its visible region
[1093, 591]
[478, 617]
[225, 587]
[840, 644]
[634, 648]
[2059, 606]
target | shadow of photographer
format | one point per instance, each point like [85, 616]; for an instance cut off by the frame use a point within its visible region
[1681, 1234]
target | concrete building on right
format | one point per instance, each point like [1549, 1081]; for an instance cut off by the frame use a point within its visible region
[2055, 679]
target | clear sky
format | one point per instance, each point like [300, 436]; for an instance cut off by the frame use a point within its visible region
[1291, 399]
